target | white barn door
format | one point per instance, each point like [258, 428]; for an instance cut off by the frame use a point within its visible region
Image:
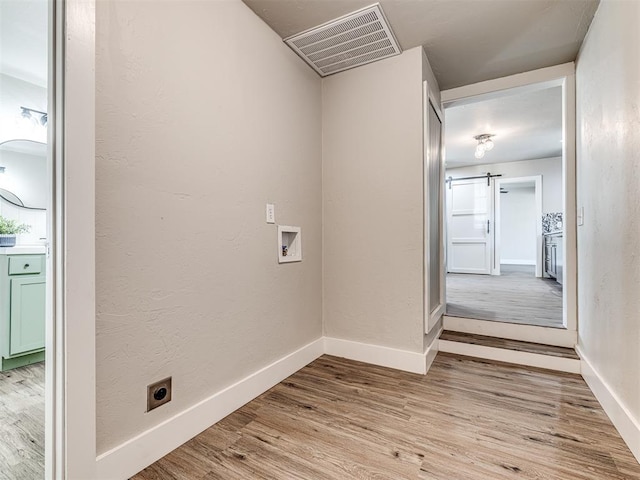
[470, 226]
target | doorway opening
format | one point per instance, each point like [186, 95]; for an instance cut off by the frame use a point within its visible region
[518, 232]
[27, 338]
[505, 205]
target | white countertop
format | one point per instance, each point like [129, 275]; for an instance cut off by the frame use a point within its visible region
[23, 250]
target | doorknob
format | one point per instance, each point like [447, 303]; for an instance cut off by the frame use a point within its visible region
[488, 230]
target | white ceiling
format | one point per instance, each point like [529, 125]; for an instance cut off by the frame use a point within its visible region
[526, 126]
[23, 40]
[467, 41]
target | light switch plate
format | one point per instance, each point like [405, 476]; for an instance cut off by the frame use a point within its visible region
[271, 213]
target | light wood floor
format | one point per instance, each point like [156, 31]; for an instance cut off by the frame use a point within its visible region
[466, 419]
[515, 296]
[22, 423]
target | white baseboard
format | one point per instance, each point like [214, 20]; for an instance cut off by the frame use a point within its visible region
[383, 356]
[431, 350]
[141, 451]
[517, 262]
[626, 424]
[559, 337]
[129, 458]
[511, 356]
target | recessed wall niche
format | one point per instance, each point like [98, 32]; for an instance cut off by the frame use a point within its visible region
[289, 244]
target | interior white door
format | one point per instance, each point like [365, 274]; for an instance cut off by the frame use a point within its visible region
[470, 229]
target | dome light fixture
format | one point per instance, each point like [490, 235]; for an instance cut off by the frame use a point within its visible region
[484, 144]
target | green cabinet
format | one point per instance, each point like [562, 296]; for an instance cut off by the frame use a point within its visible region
[27, 314]
[22, 309]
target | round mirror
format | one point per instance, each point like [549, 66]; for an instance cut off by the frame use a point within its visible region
[23, 174]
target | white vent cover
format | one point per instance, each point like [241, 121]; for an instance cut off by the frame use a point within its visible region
[356, 39]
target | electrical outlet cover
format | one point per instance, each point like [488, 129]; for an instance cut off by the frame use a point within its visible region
[158, 393]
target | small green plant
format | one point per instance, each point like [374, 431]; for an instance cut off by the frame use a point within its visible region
[11, 227]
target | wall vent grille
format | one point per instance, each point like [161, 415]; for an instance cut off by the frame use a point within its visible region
[347, 42]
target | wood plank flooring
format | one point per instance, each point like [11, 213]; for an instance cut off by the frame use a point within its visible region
[516, 345]
[22, 423]
[515, 296]
[466, 419]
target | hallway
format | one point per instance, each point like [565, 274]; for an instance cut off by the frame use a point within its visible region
[515, 296]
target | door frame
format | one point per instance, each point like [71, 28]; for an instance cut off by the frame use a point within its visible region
[564, 76]
[54, 345]
[431, 318]
[537, 179]
[70, 411]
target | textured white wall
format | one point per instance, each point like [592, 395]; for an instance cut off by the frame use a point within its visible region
[518, 236]
[549, 168]
[373, 203]
[608, 182]
[203, 116]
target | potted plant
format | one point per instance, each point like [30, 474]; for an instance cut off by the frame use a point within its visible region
[9, 229]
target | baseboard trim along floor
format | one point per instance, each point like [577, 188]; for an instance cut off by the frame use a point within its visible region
[622, 419]
[413, 362]
[467, 418]
[129, 458]
[141, 451]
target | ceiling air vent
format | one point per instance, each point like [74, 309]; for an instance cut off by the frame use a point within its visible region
[356, 39]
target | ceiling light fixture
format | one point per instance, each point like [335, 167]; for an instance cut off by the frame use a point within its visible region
[35, 116]
[484, 144]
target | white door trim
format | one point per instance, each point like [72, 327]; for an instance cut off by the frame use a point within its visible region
[75, 245]
[559, 75]
[569, 239]
[520, 82]
[54, 345]
[431, 317]
[537, 179]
